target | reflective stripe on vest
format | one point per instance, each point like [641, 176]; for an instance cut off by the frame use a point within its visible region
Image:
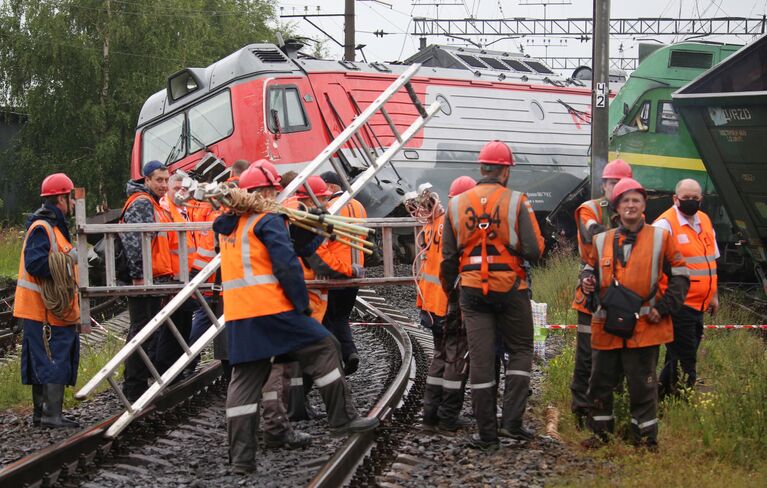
[250, 288]
[28, 303]
[431, 297]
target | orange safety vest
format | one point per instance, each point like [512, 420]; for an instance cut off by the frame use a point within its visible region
[205, 240]
[161, 257]
[653, 248]
[344, 253]
[699, 252]
[431, 297]
[587, 214]
[485, 221]
[173, 237]
[250, 287]
[28, 303]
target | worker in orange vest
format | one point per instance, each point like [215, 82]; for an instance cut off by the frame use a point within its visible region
[50, 348]
[446, 379]
[624, 268]
[695, 238]
[341, 300]
[143, 207]
[258, 260]
[592, 218]
[490, 230]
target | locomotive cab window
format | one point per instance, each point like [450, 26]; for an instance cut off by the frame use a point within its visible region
[165, 141]
[641, 119]
[210, 121]
[285, 112]
[668, 119]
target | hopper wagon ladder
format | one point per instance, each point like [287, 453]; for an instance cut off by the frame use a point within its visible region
[194, 288]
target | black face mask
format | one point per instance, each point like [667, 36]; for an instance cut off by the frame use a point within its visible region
[689, 207]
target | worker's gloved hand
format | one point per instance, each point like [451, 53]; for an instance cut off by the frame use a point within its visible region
[358, 271]
[596, 229]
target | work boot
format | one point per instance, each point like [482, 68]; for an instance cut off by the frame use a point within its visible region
[476, 442]
[599, 439]
[430, 428]
[352, 364]
[53, 401]
[291, 440]
[244, 469]
[37, 403]
[360, 424]
[516, 431]
[451, 426]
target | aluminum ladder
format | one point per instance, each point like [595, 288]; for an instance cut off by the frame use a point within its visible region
[193, 288]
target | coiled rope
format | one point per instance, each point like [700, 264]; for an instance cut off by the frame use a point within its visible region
[59, 291]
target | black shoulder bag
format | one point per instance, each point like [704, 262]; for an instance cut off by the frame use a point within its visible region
[621, 304]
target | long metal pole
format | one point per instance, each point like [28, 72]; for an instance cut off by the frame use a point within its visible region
[600, 94]
[349, 42]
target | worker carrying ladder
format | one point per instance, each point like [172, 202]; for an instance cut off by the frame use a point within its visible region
[195, 287]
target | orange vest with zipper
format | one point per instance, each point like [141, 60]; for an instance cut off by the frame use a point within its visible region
[699, 252]
[173, 237]
[250, 287]
[485, 221]
[431, 297]
[161, 256]
[28, 303]
[587, 214]
[642, 272]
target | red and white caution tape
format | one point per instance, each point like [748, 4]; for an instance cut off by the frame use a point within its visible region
[725, 326]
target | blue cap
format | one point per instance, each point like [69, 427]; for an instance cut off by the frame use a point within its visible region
[151, 167]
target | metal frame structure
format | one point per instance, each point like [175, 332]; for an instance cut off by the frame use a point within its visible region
[580, 27]
[193, 289]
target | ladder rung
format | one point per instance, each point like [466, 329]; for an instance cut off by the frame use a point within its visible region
[416, 101]
[149, 365]
[120, 394]
[341, 173]
[205, 307]
[178, 336]
[391, 124]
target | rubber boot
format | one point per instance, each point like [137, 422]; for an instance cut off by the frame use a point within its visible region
[37, 403]
[53, 401]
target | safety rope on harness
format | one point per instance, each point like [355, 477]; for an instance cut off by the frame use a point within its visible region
[58, 292]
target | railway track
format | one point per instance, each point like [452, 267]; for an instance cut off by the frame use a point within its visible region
[189, 418]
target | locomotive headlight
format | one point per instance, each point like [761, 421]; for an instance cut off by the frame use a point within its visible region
[183, 83]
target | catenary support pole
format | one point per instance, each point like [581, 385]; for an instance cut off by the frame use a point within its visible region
[349, 42]
[600, 93]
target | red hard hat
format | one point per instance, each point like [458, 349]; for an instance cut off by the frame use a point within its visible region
[496, 152]
[260, 174]
[617, 169]
[318, 186]
[56, 184]
[626, 185]
[460, 185]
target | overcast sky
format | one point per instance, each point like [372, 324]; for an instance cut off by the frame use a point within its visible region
[373, 15]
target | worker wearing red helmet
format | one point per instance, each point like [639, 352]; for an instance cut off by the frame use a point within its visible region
[50, 350]
[489, 232]
[440, 312]
[592, 217]
[624, 268]
[267, 315]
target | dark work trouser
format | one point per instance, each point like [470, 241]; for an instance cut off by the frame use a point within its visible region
[276, 422]
[432, 395]
[167, 347]
[455, 350]
[513, 319]
[320, 360]
[638, 365]
[141, 309]
[688, 332]
[582, 372]
[340, 305]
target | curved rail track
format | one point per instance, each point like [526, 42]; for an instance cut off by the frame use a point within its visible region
[358, 459]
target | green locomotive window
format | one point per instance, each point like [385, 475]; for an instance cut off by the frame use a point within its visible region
[668, 119]
[641, 120]
[690, 59]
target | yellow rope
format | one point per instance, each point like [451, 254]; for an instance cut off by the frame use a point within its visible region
[59, 291]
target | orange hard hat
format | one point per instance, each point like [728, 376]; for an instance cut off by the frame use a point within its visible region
[56, 184]
[318, 186]
[617, 169]
[626, 185]
[260, 174]
[496, 152]
[460, 185]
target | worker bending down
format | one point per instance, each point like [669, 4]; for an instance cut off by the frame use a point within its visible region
[267, 312]
[490, 230]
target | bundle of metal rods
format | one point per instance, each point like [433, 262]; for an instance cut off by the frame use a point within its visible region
[346, 230]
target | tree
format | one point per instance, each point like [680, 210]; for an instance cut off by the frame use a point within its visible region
[81, 70]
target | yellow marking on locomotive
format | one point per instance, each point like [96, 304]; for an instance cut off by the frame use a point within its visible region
[669, 162]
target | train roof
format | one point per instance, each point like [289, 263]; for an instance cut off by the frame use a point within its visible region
[679, 63]
[255, 60]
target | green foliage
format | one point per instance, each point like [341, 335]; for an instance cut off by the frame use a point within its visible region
[82, 69]
[554, 283]
[10, 250]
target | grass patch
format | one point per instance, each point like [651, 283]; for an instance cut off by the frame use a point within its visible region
[10, 250]
[18, 397]
[714, 436]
